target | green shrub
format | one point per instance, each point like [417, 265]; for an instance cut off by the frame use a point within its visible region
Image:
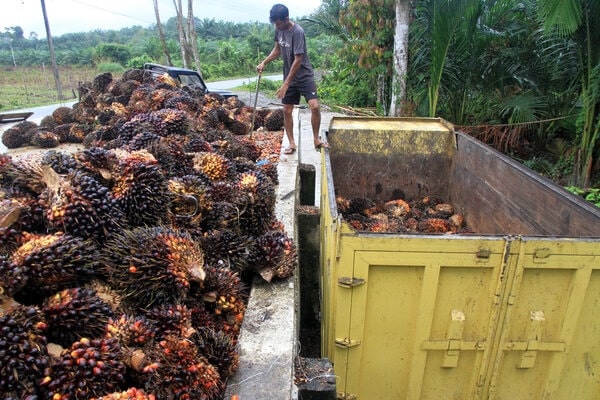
[111, 67]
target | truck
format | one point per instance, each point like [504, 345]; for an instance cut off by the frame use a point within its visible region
[185, 77]
[508, 310]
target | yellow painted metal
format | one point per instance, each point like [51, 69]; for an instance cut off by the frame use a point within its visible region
[458, 317]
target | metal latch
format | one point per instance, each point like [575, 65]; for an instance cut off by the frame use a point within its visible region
[350, 282]
[346, 343]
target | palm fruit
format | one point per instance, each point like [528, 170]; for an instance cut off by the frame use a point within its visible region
[134, 74]
[225, 295]
[100, 82]
[220, 350]
[14, 138]
[227, 247]
[242, 147]
[22, 211]
[433, 225]
[48, 122]
[75, 313]
[149, 266]
[171, 320]
[360, 205]
[44, 138]
[26, 173]
[142, 140]
[257, 201]
[23, 352]
[60, 162]
[89, 368]
[140, 188]
[131, 331]
[173, 121]
[396, 208]
[63, 115]
[53, 262]
[129, 394]
[213, 165]
[183, 102]
[81, 206]
[177, 371]
[274, 256]
[195, 143]
[171, 156]
[274, 120]
[97, 162]
[190, 201]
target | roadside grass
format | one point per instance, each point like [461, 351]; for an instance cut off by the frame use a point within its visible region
[25, 87]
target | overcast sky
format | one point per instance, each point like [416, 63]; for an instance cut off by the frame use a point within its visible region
[70, 16]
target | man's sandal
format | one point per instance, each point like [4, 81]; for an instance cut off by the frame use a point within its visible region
[289, 150]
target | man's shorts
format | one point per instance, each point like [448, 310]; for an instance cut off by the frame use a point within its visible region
[308, 89]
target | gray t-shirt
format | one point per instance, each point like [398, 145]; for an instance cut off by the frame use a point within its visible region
[292, 42]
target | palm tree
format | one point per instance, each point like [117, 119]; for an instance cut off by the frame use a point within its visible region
[578, 21]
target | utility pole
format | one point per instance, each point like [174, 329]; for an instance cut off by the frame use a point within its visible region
[52, 55]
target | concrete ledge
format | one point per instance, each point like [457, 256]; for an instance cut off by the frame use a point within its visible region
[268, 337]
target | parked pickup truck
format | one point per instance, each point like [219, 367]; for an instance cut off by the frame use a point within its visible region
[185, 77]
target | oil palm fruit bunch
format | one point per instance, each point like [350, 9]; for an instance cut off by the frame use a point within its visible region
[75, 313]
[129, 394]
[131, 330]
[274, 120]
[63, 115]
[224, 295]
[61, 163]
[53, 262]
[44, 138]
[227, 248]
[89, 368]
[213, 165]
[149, 266]
[141, 190]
[219, 348]
[25, 173]
[274, 255]
[22, 211]
[23, 352]
[81, 206]
[190, 200]
[176, 370]
[18, 135]
[171, 320]
[173, 121]
[171, 156]
[257, 200]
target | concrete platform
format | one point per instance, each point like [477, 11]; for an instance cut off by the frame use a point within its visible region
[269, 336]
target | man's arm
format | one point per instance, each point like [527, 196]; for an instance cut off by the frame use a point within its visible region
[273, 55]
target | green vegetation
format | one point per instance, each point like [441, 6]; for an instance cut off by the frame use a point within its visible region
[522, 76]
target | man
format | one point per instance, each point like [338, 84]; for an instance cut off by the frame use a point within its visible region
[298, 74]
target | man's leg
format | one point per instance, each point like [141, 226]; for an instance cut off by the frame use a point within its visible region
[288, 124]
[315, 122]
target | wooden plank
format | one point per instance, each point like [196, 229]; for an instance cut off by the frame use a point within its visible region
[13, 117]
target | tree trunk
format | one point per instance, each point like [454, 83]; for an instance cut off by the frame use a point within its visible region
[400, 71]
[183, 46]
[161, 34]
[193, 36]
[52, 56]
